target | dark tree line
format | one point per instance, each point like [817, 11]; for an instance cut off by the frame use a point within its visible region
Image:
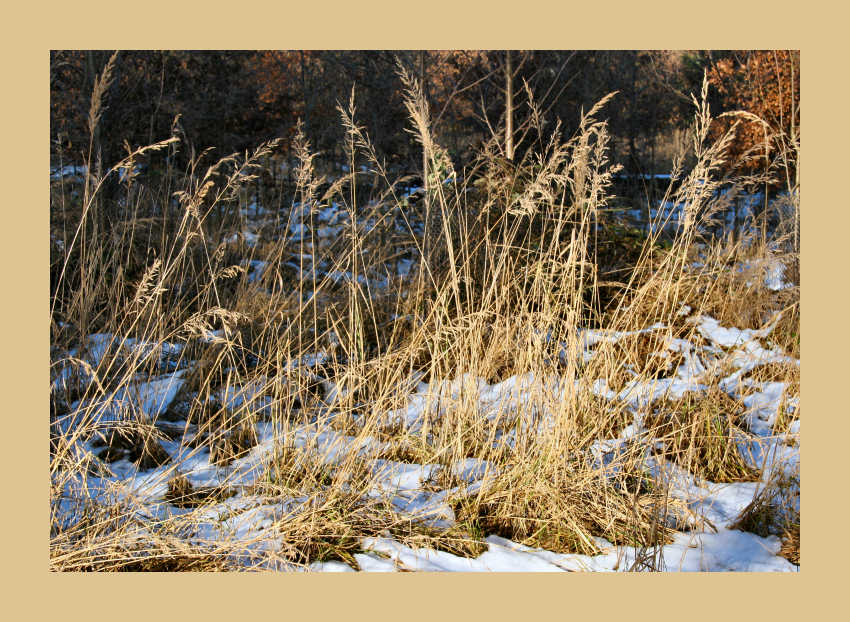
[232, 100]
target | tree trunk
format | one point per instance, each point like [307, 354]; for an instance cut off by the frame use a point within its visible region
[427, 245]
[509, 107]
[305, 95]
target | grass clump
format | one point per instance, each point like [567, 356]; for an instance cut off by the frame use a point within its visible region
[137, 443]
[461, 540]
[224, 449]
[182, 494]
[787, 372]
[775, 510]
[597, 417]
[160, 555]
[643, 355]
[330, 527]
[701, 433]
[562, 508]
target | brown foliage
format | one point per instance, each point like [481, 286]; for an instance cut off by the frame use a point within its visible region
[766, 84]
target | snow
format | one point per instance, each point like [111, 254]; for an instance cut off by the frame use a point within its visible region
[250, 237]
[133, 401]
[727, 550]
[741, 211]
[250, 520]
[775, 277]
[256, 269]
[69, 170]
[369, 562]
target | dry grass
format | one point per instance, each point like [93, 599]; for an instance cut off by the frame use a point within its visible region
[642, 355]
[500, 279]
[235, 444]
[138, 444]
[561, 509]
[775, 510]
[146, 560]
[182, 494]
[456, 540]
[700, 431]
[791, 544]
[789, 373]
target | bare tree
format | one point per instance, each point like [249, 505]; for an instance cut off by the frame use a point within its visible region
[509, 107]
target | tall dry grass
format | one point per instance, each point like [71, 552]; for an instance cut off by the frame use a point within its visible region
[510, 261]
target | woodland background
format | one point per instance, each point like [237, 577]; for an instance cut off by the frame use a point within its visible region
[233, 100]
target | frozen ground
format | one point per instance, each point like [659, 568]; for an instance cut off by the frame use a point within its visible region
[710, 545]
